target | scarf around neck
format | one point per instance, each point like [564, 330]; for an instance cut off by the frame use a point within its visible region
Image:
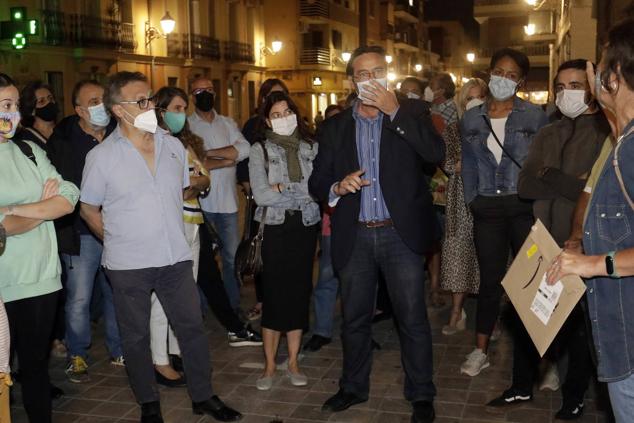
[290, 144]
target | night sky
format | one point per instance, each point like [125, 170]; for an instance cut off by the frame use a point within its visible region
[461, 10]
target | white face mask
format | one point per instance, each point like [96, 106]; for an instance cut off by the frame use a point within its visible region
[413, 95]
[502, 88]
[474, 102]
[99, 117]
[361, 86]
[284, 126]
[571, 103]
[145, 121]
[428, 95]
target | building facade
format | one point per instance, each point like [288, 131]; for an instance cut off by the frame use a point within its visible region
[79, 39]
[526, 27]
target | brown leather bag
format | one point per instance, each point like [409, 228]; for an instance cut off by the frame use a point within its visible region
[248, 259]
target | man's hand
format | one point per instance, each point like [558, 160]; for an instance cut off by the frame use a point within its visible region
[375, 95]
[351, 183]
[50, 189]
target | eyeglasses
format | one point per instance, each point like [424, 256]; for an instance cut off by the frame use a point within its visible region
[376, 73]
[513, 76]
[142, 103]
[43, 101]
[200, 90]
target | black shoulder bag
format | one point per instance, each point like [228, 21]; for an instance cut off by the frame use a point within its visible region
[499, 143]
[248, 261]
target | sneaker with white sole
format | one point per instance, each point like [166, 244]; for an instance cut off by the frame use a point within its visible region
[77, 370]
[550, 379]
[245, 338]
[477, 361]
[570, 410]
[118, 361]
[511, 396]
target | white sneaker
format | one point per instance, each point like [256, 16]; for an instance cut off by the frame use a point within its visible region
[550, 379]
[476, 362]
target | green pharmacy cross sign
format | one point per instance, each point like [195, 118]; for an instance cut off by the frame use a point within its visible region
[18, 28]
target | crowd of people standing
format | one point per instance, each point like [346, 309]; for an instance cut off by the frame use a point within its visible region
[130, 198]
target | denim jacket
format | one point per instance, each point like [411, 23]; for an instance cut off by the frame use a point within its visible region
[481, 173]
[294, 195]
[608, 227]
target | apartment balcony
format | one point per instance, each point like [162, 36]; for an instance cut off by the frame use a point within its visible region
[407, 10]
[85, 31]
[315, 56]
[539, 54]
[485, 9]
[322, 11]
[238, 52]
[406, 39]
[202, 47]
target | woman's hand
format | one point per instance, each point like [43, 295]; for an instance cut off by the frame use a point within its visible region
[574, 263]
[51, 189]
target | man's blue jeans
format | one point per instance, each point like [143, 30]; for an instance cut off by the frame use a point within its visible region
[226, 225]
[382, 250]
[83, 272]
[622, 399]
[325, 293]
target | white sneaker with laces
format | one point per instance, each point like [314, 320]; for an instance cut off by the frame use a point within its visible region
[477, 361]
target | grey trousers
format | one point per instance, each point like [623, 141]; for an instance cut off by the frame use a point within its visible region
[175, 287]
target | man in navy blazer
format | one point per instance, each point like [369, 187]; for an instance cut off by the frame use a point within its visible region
[370, 167]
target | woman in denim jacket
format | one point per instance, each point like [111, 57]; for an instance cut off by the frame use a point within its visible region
[490, 173]
[607, 261]
[290, 235]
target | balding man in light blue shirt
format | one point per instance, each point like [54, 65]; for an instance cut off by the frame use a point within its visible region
[132, 198]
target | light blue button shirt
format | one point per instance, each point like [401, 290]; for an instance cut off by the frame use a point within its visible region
[142, 213]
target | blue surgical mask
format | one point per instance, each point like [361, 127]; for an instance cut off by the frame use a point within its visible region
[99, 117]
[502, 88]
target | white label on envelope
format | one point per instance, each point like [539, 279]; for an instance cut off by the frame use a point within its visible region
[546, 299]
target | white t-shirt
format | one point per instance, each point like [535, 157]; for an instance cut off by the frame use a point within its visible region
[221, 132]
[498, 126]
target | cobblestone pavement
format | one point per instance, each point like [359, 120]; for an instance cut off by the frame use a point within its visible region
[108, 398]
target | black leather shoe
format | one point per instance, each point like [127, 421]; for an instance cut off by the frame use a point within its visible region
[56, 392]
[316, 342]
[151, 412]
[217, 409]
[177, 363]
[423, 412]
[169, 383]
[342, 400]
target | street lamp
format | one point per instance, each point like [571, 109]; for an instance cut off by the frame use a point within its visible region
[275, 48]
[391, 76]
[418, 67]
[471, 57]
[388, 59]
[152, 33]
[529, 29]
[346, 56]
[531, 2]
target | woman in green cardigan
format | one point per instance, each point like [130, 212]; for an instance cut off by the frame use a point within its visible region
[32, 195]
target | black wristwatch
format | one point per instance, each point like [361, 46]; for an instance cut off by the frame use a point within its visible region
[610, 266]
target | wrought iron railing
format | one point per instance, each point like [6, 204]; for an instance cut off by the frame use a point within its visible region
[315, 56]
[314, 8]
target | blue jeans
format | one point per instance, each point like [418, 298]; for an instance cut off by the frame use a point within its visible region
[83, 272]
[382, 250]
[226, 225]
[622, 399]
[325, 293]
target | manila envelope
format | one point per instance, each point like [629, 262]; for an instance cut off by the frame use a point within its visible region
[543, 309]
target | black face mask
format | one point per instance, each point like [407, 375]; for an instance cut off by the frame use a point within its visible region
[48, 113]
[204, 101]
